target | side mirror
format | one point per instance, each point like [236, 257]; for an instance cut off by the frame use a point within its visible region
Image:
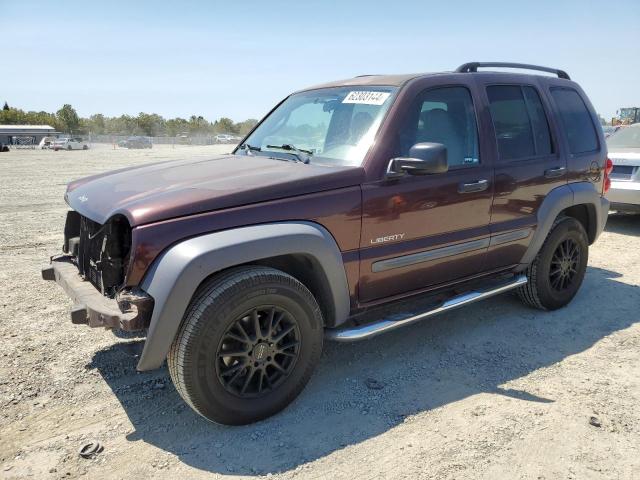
[424, 159]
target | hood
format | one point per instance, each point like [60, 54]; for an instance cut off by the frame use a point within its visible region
[176, 188]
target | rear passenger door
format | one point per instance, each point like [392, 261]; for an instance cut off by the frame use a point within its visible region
[528, 165]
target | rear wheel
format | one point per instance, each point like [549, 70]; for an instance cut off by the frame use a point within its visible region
[558, 270]
[249, 342]
[69, 147]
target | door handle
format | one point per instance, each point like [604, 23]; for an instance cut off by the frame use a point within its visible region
[479, 186]
[555, 172]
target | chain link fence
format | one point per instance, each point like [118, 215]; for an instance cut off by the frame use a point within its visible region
[165, 140]
[24, 142]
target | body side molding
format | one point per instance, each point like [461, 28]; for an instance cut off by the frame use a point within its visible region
[176, 274]
[428, 255]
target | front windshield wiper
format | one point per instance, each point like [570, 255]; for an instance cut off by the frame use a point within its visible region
[249, 148]
[302, 155]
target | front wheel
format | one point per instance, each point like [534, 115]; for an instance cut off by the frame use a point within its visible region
[558, 270]
[249, 342]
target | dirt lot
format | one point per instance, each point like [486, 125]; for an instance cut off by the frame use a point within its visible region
[492, 391]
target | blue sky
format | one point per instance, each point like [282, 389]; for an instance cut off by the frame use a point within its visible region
[237, 59]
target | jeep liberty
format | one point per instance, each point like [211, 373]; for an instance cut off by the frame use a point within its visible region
[353, 208]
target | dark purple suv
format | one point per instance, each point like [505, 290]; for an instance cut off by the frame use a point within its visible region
[352, 208]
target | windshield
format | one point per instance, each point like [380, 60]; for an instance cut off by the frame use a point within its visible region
[628, 137]
[333, 126]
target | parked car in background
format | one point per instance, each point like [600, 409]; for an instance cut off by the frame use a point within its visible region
[74, 143]
[624, 152]
[226, 138]
[46, 142]
[136, 142]
[183, 139]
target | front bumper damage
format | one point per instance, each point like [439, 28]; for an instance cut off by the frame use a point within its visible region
[130, 310]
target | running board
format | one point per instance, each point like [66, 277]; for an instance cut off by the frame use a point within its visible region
[360, 332]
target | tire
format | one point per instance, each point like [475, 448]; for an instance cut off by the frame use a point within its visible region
[69, 148]
[556, 274]
[85, 147]
[220, 319]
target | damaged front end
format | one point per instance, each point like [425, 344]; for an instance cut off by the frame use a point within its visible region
[92, 272]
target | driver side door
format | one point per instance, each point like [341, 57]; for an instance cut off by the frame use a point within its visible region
[423, 231]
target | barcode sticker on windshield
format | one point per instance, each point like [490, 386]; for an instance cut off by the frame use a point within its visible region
[368, 98]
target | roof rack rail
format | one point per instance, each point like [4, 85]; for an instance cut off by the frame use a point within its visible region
[473, 67]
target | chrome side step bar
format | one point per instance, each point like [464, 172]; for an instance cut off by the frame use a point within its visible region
[360, 332]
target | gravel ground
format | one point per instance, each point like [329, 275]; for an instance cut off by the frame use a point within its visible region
[495, 390]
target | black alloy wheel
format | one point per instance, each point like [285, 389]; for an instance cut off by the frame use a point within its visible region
[558, 270]
[564, 265]
[258, 351]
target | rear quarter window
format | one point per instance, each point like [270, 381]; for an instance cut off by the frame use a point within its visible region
[576, 120]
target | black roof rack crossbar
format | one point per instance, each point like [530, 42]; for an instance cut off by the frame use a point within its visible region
[473, 67]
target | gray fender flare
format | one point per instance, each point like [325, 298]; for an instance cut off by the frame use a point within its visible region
[174, 277]
[559, 199]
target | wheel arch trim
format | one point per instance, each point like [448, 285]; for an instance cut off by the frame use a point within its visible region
[176, 274]
[558, 200]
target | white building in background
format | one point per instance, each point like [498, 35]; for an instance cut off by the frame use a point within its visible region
[9, 133]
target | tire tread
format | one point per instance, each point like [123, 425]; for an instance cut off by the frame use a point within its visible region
[529, 293]
[216, 289]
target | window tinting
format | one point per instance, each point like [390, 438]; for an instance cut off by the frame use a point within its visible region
[541, 135]
[444, 115]
[576, 120]
[522, 130]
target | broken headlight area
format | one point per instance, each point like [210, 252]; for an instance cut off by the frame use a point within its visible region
[101, 252]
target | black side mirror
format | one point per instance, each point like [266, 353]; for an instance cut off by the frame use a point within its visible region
[424, 159]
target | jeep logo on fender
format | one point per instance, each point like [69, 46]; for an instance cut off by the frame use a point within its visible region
[389, 238]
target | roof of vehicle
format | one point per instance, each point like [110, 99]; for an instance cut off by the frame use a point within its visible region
[364, 80]
[466, 69]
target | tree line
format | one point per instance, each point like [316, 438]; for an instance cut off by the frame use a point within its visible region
[148, 124]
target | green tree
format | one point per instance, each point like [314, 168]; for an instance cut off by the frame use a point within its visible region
[150, 124]
[96, 124]
[68, 118]
[224, 125]
[246, 126]
[175, 126]
[198, 125]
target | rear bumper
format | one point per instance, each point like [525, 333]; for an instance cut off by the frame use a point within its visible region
[626, 207]
[91, 307]
[624, 193]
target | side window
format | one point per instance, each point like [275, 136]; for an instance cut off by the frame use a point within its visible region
[539, 123]
[576, 120]
[444, 115]
[521, 126]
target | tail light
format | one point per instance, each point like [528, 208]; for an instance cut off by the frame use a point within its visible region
[608, 168]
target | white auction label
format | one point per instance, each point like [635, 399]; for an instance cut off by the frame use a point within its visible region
[366, 97]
